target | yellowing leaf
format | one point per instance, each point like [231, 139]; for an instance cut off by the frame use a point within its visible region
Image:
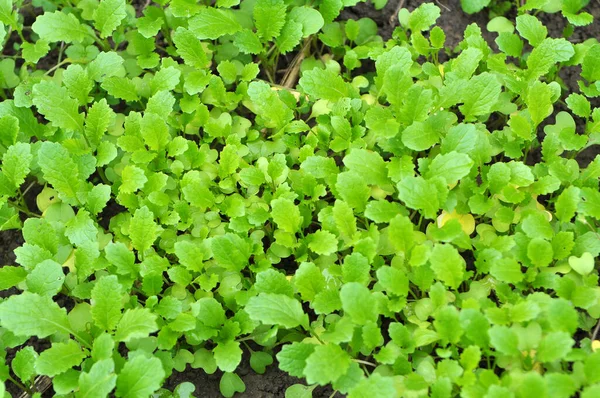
[467, 221]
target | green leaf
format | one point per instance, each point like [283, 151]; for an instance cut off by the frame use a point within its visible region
[356, 268]
[286, 215]
[447, 324]
[107, 302]
[59, 170]
[358, 303]
[9, 129]
[108, 16]
[11, 276]
[590, 67]
[228, 355]
[142, 229]
[212, 312]
[368, 165]
[78, 83]
[81, 229]
[393, 280]
[269, 106]
[451, 166]
[269, 18]
[46, 279]
[539, 102]
[59, 358]
[344, 219]
[324, 84]
[473, 6]
[190, 48]
[292, 357]
[155, 131]
[212, 23]
[23, 363]
[510, 43]
[16, 163]
[507, 270]
[420, 136]
[276, 309]
[190, 254]
[99, 381]
[231, 251]
[539, 251]
[353, 189]
[583, 265]
[448, 265]
[54, 103]
[231, 384]
[554, 346]
[382, 211]
[32, 52]
[423, 17]
[322, 242]
[309, 281]
[140, 377]
[326, 364]
[136, 323]
[536, 225]
[259, 361]
[579, 105]
[592, 367]
[590, 203]
[419, 194]
[310, 19]
[375, 386]
[105, 65]
[319, 166]
[547, 54]
[481, 94]
[299, 391]
[99, 117]
[504, 340]
[97, 198]
[248, 42]
[7, 12]
[290, 36]
[532, 29]
[58, 26]
[120, 87]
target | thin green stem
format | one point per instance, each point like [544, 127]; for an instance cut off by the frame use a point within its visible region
[102, 43]
[247, 346]
[20, 385]
[103, 176]
[315, 335]
[58, 65]
[23, 210]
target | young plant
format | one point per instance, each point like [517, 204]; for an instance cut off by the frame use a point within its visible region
[421, 229]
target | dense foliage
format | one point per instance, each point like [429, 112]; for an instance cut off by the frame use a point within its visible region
[572, 10]
[375, 215]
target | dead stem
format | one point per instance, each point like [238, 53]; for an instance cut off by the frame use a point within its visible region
[293, 70]
[445, 7]
[394, 17]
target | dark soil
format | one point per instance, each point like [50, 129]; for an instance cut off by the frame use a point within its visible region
[274, 382]
[271, 384]
[454, 21]
[9, 241]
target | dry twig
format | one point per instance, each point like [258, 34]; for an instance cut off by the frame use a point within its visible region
[394, 17]
[293, 70]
